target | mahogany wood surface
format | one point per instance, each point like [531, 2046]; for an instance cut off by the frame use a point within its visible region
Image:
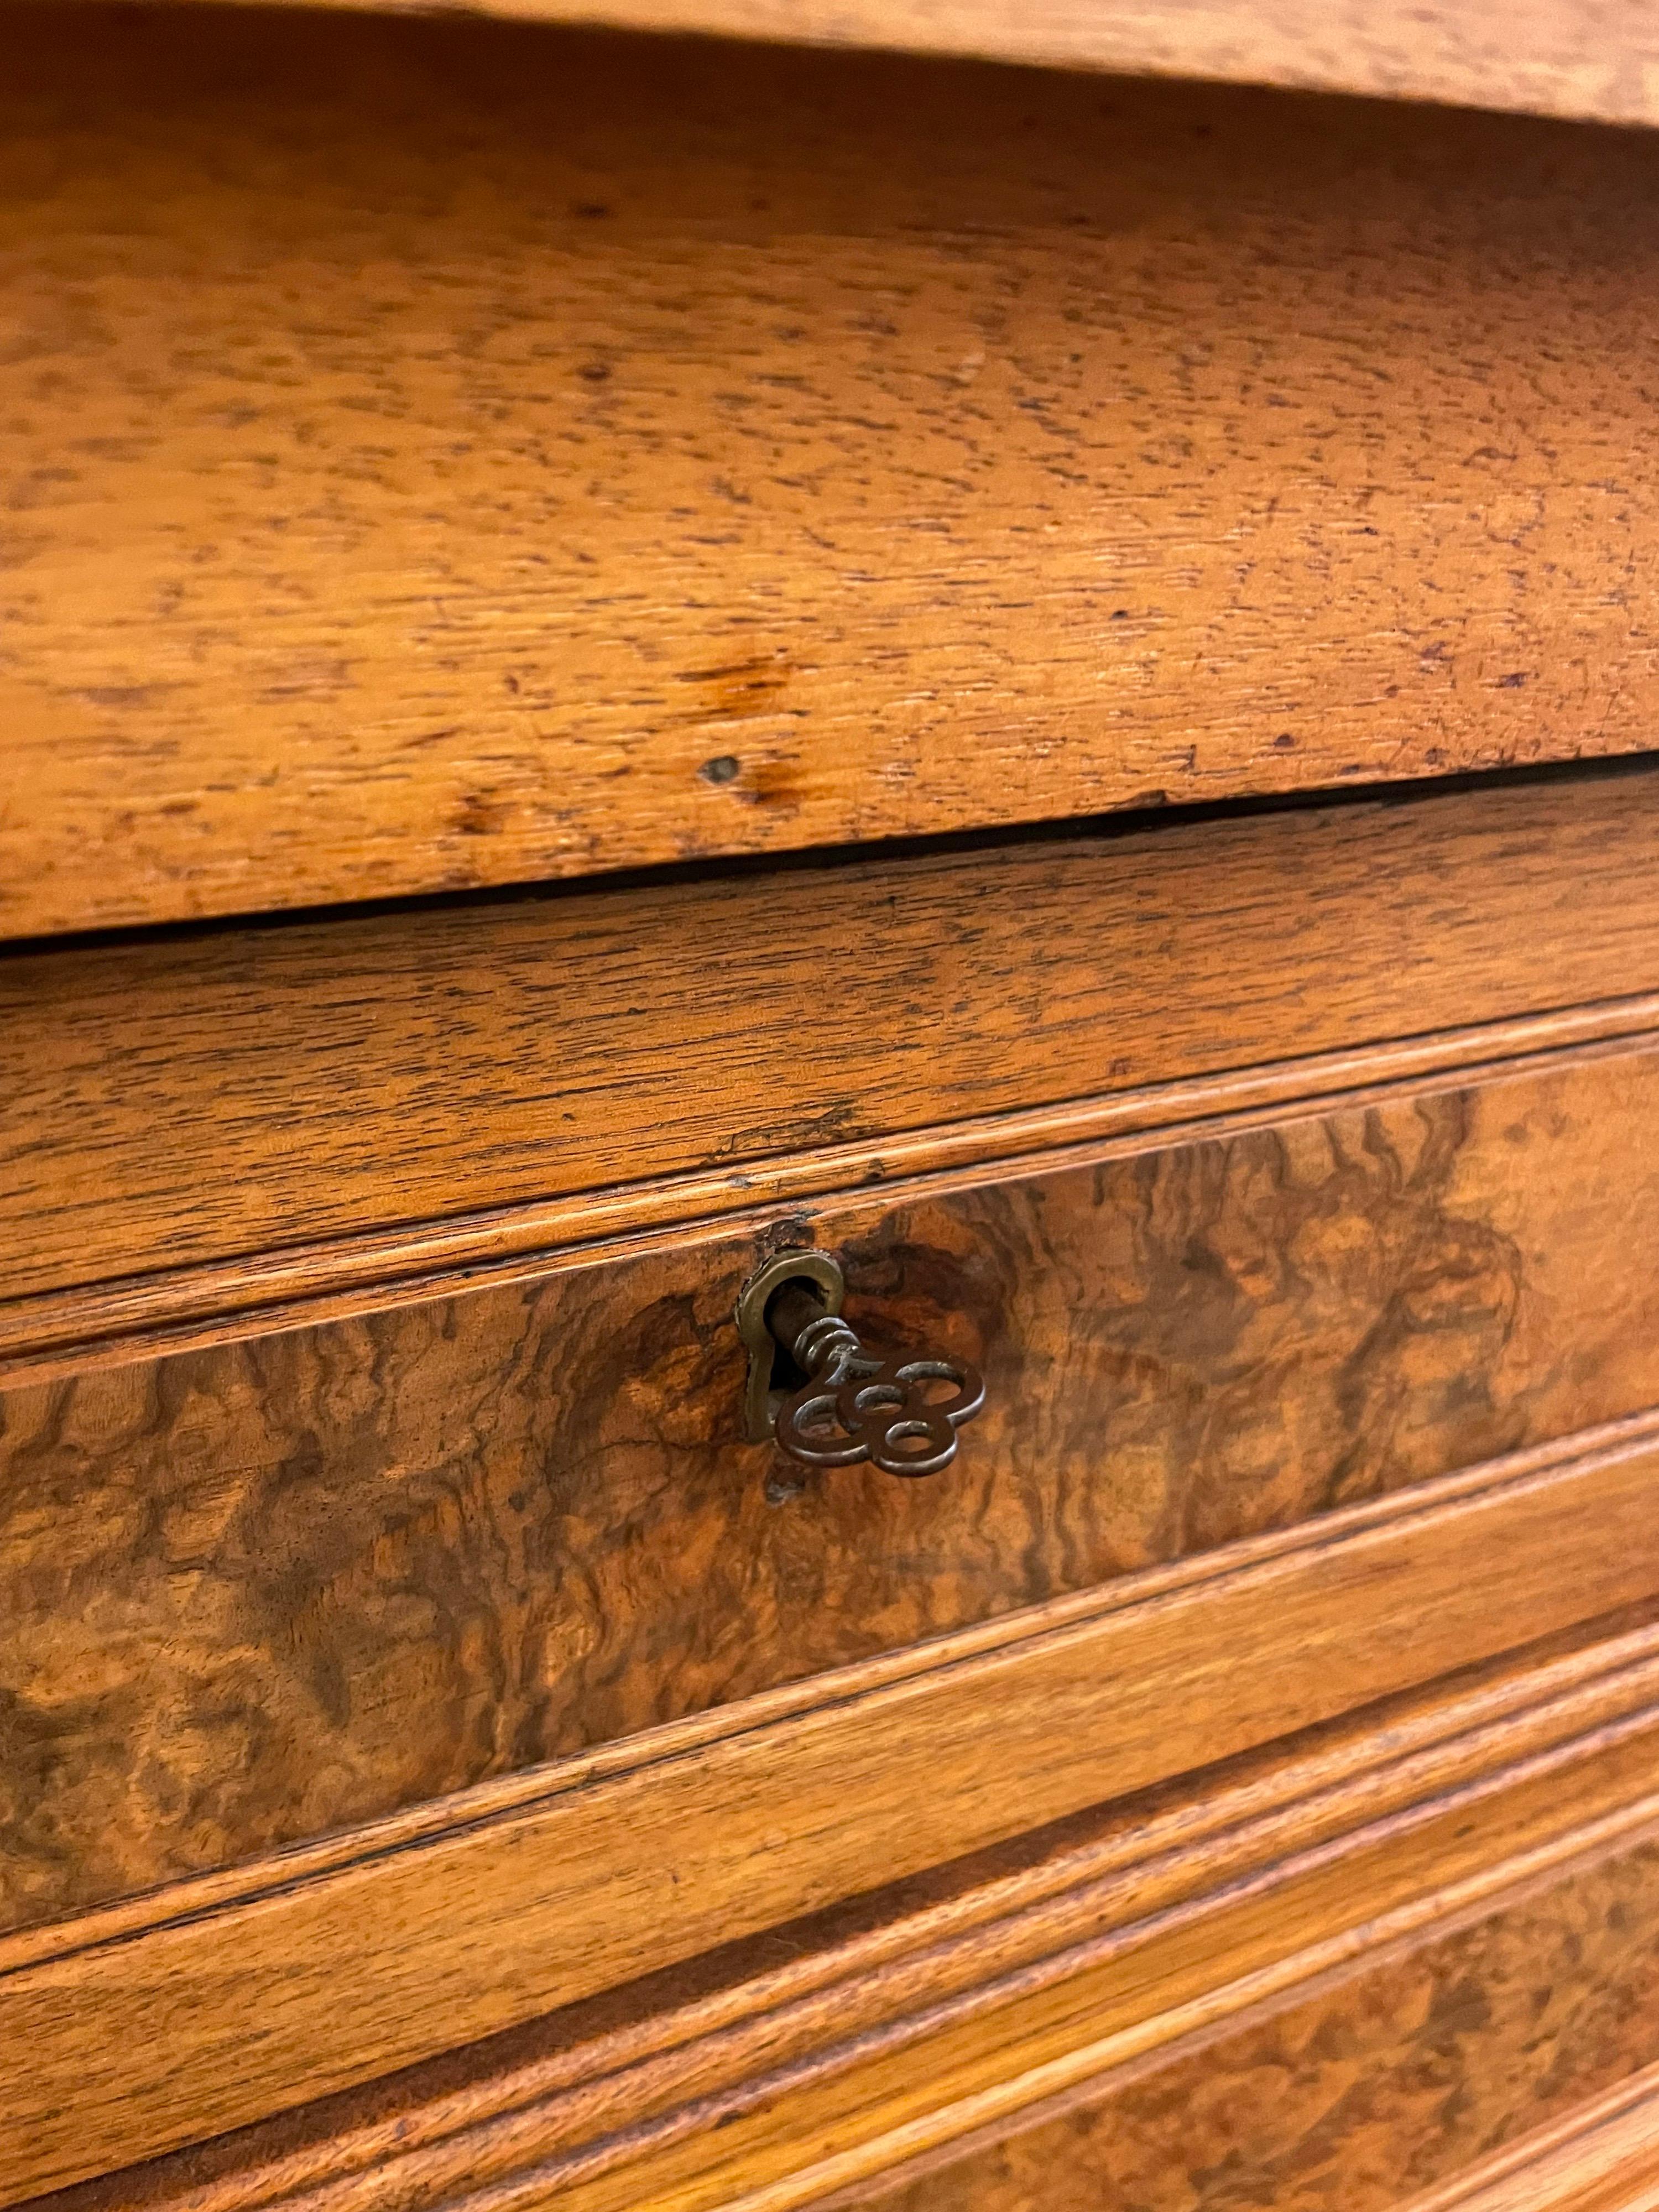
[661, 1050]
[1581, 57]
[449, 454]
[1101, 1948]
[257, 1591]
[215, 2002]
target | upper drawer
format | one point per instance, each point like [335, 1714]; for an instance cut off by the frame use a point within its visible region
[444, 454]
[255, 1591]
[408, 1451]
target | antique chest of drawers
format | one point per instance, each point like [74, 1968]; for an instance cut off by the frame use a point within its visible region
[829, 1109]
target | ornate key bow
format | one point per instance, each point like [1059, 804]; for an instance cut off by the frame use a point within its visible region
[855, 1407]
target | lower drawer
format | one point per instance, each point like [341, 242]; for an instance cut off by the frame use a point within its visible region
[1409, 1959]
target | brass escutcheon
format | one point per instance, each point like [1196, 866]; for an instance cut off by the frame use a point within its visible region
[762, 1402]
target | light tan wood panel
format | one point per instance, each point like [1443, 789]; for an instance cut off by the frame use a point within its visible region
[451, 454]
[217, 2001]
[1582, 57]
[940, 2010]
[259, 1590]
[165, 1103]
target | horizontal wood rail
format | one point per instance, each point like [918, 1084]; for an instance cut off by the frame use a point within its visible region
[63, 1333]
[286, 1124]
[860, 448]
[1404, 2064]
[149, 2024]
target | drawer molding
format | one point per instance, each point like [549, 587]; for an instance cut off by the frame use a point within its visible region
[250, 1116]
[1603, 2157]
[1461, 2027]
[1105, 1952]
[381, 1948]
[62, 1332]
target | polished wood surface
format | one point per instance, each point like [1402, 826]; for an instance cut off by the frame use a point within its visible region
[1596, 58]
[257, 1591]
[1603, 2157]
[59, 1334]
[444, 1767]
[217, 2001]
[775, 2069]
[1359, 2094]
[453, 455]
[609, 1060]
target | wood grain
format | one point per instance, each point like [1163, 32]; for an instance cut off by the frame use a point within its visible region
[796, 2143]
[53, 1334]
[1092, 1946]
[251, 1593]
[1603, 2157]
[451, 454]
[623, 2063]
[1595, 58]
[168, 1104]
[208, 2006]
[1356, 2096]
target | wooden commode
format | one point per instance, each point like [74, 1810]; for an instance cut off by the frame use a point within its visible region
[829, 1108]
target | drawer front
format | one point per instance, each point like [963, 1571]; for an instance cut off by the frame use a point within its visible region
[1423, 1929]
[266, 1587]
[495, 454]
[298, 1535]
[1481, 2048]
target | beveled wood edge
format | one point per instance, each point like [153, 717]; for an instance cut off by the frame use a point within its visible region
[111, 1324]
[1574, 60]
[1602, 2157]
[1524, 1879]
[601, 2114]
[511, 1910]
[1081, 2077]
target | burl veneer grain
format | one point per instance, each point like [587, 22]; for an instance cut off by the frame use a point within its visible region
[1360, 2095]
[261, 1590]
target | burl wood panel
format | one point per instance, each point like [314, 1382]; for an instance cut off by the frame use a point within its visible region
[1361, 2094]
[255, 1592]
[1582, 57]
[451, 454]
[1602, 2157]
[164, 1102]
